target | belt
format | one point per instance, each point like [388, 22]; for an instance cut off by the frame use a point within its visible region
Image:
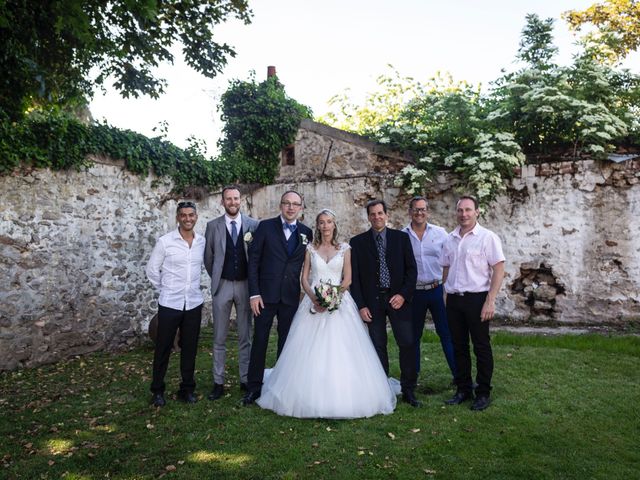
[462, 294]
[428, 286]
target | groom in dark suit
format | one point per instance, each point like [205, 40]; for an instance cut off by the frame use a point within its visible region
[384, 276]
[276, 254]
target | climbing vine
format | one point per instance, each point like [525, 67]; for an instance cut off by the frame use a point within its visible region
[260, 121]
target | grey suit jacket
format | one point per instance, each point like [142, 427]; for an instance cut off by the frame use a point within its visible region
[216, 245]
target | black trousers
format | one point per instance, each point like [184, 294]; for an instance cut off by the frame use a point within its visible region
[463, 313]
[261, 329]
[169, 321]
[403, 332]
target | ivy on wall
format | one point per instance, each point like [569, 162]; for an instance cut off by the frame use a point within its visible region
[260, 120]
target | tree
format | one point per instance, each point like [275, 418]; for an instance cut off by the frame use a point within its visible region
[260, 120]
[53, 53]
[536, 43]
[617, 25]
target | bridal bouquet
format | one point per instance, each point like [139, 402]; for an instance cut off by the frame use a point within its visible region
[328, 295]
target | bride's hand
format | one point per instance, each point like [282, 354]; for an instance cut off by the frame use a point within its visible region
[318, 308]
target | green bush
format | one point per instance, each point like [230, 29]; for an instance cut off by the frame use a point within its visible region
[260, 121]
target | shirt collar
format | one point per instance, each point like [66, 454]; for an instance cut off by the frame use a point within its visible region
[228, 220]
[283, 221]
[175, 235]
[474, 230]
[411, 231]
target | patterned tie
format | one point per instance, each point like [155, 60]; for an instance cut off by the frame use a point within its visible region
[234, 232]
[385, 278]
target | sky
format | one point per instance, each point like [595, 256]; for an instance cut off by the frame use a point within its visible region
[322, 48]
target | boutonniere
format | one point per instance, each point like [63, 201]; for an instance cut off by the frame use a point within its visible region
[304, 239]
[248, 238]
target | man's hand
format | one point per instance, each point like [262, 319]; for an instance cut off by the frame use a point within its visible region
[488, 310]
[397, 301]
[256, 305]
[365, 315]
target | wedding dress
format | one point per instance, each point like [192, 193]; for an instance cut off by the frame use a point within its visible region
[328, 367]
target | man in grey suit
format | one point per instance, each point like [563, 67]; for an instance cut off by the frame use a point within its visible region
[225, 258]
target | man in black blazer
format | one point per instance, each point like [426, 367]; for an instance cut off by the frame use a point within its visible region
[276, 254]
[384, 276]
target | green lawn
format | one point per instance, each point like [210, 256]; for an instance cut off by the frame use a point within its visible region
[563, 407]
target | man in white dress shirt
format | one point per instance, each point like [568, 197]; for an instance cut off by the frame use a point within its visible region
[174, 270]
[225, 258]
[473, 269]
[426, 241]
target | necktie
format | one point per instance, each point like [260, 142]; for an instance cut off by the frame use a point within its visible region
[291, 226]
[385, 278]
[234, 232]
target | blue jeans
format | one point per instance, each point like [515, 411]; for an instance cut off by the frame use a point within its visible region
[433, 301]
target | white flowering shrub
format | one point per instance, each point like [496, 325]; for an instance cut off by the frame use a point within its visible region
[542, 109]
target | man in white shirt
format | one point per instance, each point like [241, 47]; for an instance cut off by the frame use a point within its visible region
[174, 270]
[426, 241]
[225, 258]
[473, 269]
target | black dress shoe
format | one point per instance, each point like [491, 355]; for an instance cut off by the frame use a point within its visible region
[243, 387]
[249, 398]
[410, 398]
[458, 398]
[187, 397]
[217, 392]
[481, 402]
[158, 400]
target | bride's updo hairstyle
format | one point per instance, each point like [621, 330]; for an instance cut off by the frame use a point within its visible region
[317, 238]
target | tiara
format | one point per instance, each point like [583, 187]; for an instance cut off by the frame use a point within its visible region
[327, 210]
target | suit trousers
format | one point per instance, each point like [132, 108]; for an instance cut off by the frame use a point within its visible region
[433, 301]
[261, 330]
[231, 293]
[169, 321]
[463, 313]
[402, 328]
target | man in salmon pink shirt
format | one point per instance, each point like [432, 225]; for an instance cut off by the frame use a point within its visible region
[473, 269]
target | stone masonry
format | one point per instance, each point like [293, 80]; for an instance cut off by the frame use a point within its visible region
[73, 245]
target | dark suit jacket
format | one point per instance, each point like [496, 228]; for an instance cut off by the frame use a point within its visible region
[365, 266]
[273, 274]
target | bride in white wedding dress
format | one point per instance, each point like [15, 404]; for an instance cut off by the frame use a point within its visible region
[328, 367]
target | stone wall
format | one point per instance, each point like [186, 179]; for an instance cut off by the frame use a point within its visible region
[73, 245]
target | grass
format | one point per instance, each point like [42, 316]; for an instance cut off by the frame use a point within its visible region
[563, 407]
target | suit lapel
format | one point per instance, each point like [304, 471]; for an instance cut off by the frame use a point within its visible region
[221, 230]
[279, 234]
[245, 228]
[371, 243]
[301, 244]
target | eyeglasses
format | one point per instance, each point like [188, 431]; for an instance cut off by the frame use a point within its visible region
[187, 204]
[290, 204]
[419, 210]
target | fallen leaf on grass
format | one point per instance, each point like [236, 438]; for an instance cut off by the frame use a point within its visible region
[170, 468]
[415, 430]
[428, 471]
[315, 444]
[150, 426]
[51, 463]
[391, 436]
